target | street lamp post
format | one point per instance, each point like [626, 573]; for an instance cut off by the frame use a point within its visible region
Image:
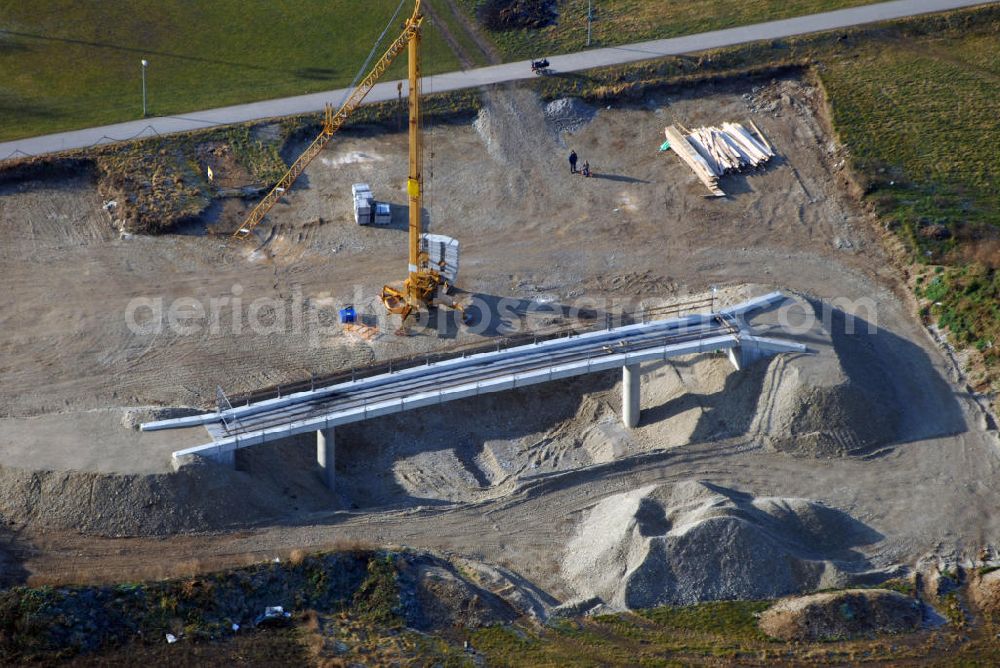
[590, 19]
[145, 63]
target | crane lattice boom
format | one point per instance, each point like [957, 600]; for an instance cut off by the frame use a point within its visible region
[331, 124]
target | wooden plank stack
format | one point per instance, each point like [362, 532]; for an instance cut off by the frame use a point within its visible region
[712, 151]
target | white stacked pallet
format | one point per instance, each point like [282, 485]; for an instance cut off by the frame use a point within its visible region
[363, 203]
[383, 214]
[442, 255]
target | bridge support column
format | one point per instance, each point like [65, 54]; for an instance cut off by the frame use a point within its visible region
[630, 395]
[326, 454]
[227, 459]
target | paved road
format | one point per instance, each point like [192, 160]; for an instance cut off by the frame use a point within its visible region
[485, 75]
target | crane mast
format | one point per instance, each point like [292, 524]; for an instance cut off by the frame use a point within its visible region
[415, 179]
[423, 283]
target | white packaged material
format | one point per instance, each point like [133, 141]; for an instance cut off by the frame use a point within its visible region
[442, 254]
[364, 204]
[383, 214]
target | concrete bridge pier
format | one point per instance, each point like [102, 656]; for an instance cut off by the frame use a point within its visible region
[227, 459]
[326, 454]
[630, 395]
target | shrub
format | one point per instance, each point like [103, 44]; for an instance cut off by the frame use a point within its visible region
[513, 14]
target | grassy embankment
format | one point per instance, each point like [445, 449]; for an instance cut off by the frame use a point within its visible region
[624, 21]
[348, 601]
[922, 121]
[350, 608]
[70, 64]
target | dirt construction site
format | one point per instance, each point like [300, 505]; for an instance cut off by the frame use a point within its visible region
[863, 459]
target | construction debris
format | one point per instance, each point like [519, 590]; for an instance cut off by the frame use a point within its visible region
[359, 331]
[712, 151]
[273, 615]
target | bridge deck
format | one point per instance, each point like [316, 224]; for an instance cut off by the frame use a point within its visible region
[482, 373]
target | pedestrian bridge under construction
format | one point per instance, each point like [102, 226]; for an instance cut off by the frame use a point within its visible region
[324, 408]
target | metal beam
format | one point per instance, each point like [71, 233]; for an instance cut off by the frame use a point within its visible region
[445, 394]
[683, 324]
[484, 373]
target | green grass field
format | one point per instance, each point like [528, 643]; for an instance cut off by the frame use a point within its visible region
[921, 118]
[624, 21]
[68, 64]
[923, 112]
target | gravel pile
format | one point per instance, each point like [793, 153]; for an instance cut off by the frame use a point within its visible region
[695, 541]
[133, 417]
[568, 114]
[513, 128]
[275, 483]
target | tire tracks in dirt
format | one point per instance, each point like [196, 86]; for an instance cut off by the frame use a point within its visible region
[486, 48]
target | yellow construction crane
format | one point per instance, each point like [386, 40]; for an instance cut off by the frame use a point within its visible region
[331, 123]
[425, 282]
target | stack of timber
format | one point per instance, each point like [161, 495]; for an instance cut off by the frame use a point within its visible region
[711, 152]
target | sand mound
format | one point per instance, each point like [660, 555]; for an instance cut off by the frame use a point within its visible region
[841, 615]
[479, 448]
[568, 114]
[695, 541]
[811, 406]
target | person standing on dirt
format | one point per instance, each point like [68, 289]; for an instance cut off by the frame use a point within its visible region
[572, 162]
[586, 169]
